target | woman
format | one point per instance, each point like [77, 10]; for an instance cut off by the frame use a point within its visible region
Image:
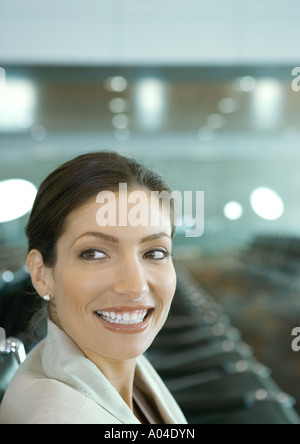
[108, 286]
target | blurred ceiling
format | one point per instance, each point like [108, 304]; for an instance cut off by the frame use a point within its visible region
[205, 112]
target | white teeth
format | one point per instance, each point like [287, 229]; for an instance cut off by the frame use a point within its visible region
[126, 317]
[134, 317]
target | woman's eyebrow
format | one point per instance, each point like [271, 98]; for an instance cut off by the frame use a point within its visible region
[115, 240]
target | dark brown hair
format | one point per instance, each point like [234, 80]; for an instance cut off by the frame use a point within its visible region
[72, 185]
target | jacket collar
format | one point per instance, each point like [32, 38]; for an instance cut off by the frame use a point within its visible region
[63, 361]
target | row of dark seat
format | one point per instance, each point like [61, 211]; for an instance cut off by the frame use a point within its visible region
[280, 253]
[212, 373]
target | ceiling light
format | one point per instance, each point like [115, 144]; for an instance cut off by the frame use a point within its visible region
[120, 121]
[267, 103]
[227, 105]
[17, 104]
[38, 133]
[8, 276]
[122, 134]
[233, 210]
[150, 103]
[116, 84]
[16, 198]
[266, 204]
[118, 105]
[247, 84]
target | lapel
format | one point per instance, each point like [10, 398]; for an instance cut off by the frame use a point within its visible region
[155, 391]
[63, 361]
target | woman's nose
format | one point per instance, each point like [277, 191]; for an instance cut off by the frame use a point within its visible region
[131, 281]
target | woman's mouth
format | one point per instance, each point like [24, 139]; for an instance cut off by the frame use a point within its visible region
[125, 319]
[133, 317]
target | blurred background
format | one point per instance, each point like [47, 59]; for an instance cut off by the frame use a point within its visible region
[200, 91]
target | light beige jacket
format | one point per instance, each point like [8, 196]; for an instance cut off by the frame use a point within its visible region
[57, 384]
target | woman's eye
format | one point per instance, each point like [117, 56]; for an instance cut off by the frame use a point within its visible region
[92, 254]
[157, 254]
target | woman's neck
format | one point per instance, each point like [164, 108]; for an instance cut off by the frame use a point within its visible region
[119, 373]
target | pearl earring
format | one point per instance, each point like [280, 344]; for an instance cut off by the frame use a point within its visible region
[47, 297]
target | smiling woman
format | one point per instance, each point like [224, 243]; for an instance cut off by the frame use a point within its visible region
[109, 291]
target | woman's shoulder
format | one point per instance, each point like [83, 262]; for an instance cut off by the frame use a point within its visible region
[51, 402]
[45, 395]
[33, 397]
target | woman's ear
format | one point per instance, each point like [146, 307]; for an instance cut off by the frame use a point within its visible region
[39, 273]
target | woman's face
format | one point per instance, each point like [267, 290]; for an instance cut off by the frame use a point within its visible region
[112, 286]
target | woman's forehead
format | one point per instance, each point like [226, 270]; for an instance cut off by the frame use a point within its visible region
[142, 214]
